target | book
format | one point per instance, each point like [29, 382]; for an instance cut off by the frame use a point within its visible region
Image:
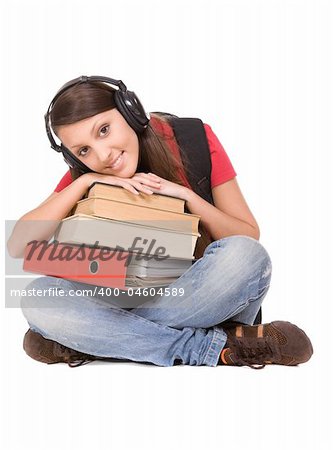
[158, 268]
[149, 282]
[64, 261]
[93, 266]
[118, 193]
[81, 228]
[111, 209]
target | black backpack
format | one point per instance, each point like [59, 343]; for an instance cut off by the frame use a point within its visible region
[191, 139]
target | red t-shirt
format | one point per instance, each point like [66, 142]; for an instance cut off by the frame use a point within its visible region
[222, 169]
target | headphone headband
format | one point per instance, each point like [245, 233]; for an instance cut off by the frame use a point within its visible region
[127, 103]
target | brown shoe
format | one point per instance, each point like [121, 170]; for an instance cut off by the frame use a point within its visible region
[51, 352]
[271, 343]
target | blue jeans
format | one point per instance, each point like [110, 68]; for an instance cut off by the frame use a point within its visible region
[229, 282]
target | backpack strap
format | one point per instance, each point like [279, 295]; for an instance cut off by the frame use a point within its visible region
[194, 150]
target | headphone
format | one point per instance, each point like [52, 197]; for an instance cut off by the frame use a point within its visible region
[127, 104]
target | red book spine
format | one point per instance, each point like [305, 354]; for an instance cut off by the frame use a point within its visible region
[92, 265]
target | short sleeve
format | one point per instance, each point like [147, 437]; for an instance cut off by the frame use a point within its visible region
[65, 181]
[222, 168]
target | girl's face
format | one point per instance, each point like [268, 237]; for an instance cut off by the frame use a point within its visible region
[99, 140]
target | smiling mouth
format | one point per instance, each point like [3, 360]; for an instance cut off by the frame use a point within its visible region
[117, 161]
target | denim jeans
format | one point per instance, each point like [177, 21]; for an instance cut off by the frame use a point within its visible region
[229, 282]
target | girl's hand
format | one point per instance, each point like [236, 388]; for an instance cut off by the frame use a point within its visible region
[163, 187]
[140, 182]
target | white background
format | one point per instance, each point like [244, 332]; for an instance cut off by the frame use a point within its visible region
[260, 73]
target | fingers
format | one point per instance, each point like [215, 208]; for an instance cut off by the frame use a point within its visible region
[141, 186]
[140, 182]
[156, 177]
[150, 183]
[127, 186]
[147, 180]
[134, 187]
[150, 175]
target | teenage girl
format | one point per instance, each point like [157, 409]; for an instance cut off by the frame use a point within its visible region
[107, 136]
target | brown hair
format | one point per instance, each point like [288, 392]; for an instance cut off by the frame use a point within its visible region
[87, 99]
[90, 98]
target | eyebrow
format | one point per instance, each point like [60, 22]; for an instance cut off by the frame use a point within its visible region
[91, 133]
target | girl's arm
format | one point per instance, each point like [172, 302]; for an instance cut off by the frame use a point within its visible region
[40, 223]
[230, 215]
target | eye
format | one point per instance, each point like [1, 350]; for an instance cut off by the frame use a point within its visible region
[83, 149]
[104, 130]
[105, 127]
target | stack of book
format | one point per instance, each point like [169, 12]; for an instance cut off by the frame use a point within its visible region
[138, 240]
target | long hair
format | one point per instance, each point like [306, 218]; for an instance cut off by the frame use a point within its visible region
[88, 99]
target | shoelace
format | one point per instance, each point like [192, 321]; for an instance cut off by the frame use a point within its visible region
[79, 362]
[253, 356]
[72, 360]
[76, 362]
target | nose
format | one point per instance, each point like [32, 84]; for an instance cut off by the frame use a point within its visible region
[104, 153]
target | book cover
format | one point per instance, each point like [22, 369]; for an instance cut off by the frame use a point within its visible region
[118, 193]
[99, 267]
[80, 228]
[86, 265]
[148, 216]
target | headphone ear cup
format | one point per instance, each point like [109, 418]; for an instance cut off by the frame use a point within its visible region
[132, 110]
